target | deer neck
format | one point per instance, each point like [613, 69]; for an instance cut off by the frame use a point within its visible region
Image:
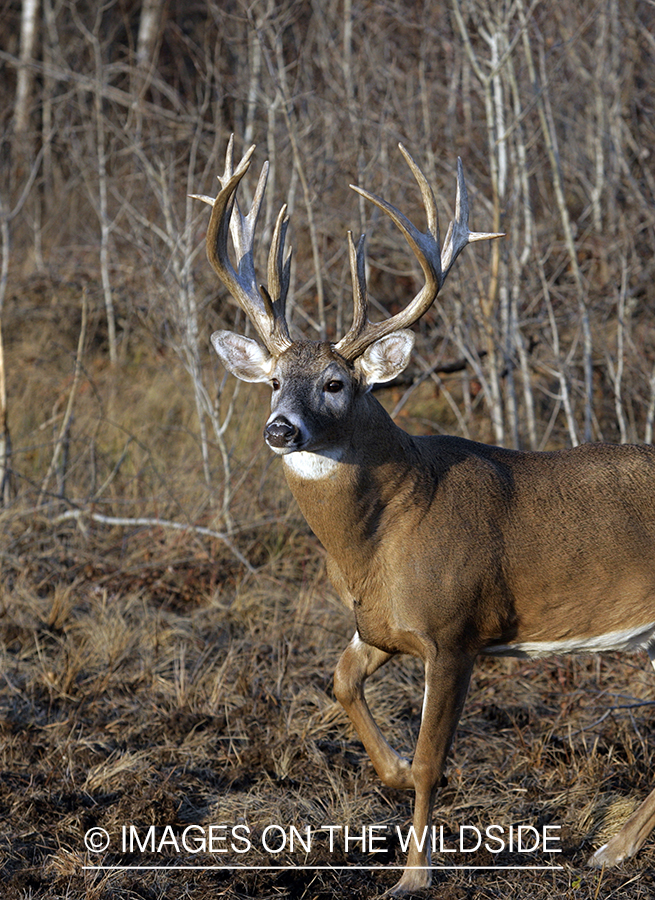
[347, 493]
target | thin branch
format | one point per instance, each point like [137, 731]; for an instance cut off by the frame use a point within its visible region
[145, 522]
[65, 425]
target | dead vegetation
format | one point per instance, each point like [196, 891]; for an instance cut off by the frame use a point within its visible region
[127, 701]
[167, 632]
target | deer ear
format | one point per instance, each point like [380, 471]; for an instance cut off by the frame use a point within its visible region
[243, 356]
[386, 358]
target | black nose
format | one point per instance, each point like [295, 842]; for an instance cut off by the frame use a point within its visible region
[280, 432]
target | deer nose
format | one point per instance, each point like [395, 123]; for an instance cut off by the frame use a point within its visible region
[280, 432]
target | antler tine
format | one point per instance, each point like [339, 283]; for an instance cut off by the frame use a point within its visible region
[427, 194]
[266, 316]
[458, 235]
[279, 276]
[357, 255]
[434, 262]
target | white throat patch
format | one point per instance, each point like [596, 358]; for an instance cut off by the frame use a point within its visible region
[313, 466]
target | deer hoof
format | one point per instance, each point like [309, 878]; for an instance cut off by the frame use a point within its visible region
[411, 882]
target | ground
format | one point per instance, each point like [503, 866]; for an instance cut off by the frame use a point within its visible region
[192, 693]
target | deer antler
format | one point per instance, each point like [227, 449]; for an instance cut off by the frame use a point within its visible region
[434, 261]
[264, 307]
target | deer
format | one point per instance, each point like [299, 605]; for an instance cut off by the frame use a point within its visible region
[443, 548]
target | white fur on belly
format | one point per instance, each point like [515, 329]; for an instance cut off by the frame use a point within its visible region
[635, 638]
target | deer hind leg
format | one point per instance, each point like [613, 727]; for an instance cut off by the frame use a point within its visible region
[635, 831]
[629, 839]
[358, 661]
[447, 677]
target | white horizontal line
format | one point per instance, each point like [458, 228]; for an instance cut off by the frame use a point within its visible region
[305, 868]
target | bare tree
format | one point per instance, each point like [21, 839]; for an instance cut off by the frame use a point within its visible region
[150, 24]
[25, 74]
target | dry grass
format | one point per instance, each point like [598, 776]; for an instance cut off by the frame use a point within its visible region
[150, 679]
[121, 705]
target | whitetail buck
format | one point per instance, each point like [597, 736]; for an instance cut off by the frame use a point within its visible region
[442, 547]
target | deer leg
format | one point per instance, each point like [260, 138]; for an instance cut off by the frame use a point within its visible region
[358, 661]
[447, 677]
[635, 831]
[629, 839]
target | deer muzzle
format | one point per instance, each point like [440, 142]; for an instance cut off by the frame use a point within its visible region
[280, 433]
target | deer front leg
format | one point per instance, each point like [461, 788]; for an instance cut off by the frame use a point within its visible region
[358, 661]
[447, 677]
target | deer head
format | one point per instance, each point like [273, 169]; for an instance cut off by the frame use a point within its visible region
[317, 384]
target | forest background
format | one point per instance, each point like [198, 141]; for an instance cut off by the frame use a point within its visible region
[167, 632]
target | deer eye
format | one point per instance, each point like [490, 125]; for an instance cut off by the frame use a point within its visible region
[275, 384]
[334, 386]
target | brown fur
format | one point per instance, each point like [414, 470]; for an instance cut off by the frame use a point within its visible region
[445, 548]
[442, 547]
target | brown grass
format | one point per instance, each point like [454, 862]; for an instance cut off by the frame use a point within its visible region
[149, 679]
[125, 705]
